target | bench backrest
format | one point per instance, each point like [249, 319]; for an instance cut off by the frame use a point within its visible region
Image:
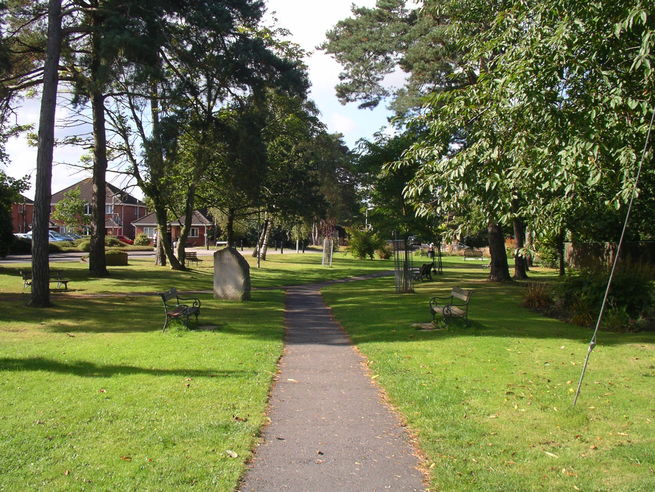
[168, 295]
[190, 254]
[462, 294]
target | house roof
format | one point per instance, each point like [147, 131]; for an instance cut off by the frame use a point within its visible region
[196, 220]
[24, 199]
[113, 194]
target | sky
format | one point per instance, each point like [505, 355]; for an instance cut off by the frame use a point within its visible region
[307, 20]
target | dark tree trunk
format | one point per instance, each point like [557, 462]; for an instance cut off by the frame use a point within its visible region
[164, 240]
[97, 260]
[230, 227]
[40, 296]
[499, 271]
[560, 252]
[520, 261]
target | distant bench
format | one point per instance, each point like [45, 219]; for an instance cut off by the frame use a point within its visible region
[424, 272]
[473, 254]
[191, 256]
[55, 276]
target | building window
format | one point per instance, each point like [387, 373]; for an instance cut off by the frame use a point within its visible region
[87, 209]
[149, 231]
[194, 232]
[109, 208]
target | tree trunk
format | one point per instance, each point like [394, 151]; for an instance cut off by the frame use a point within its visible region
[267, 236]
[499, 268]
[230, 227]
[164, 240]
[520, 261]
[97, 260]
[40, 296]
[529, 246]
[260, 240]
[560, 252]
[160, 254]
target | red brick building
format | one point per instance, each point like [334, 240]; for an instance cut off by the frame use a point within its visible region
[121, 208]
[22, 214]
[197, 235]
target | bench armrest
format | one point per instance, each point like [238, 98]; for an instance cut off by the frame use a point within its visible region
[196, 301]
[441, 298]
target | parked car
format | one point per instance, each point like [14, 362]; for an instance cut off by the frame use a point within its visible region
[125, 239]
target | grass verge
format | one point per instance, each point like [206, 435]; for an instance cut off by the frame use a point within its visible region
[491, 403]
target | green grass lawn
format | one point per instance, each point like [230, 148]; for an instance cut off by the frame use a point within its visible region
[142, 276]
[491, 404]
[94, 396]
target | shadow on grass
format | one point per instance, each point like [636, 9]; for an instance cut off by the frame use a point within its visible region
[91, 370]
[374, 313]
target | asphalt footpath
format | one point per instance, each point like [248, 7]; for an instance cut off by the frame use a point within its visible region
[329, 428]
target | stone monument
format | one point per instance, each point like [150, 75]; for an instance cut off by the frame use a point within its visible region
[231, 275]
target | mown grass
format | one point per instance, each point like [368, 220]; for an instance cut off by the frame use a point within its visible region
[142, 276]
[491, 403]
[94, 396]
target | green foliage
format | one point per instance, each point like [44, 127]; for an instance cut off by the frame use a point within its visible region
[113, 242]
[364, 243]
[70, 210]
[385, 252]
[631, 290]
[10, 189]
[84, 245]
[141, 240]
[20, 247]
[538, 296]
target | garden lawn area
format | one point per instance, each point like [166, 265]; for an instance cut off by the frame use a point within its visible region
[142, 276]
[93, 395]
[491, 404]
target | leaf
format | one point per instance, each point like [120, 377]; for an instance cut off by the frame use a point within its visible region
[126, 458]
[231, 453]
[552, 455]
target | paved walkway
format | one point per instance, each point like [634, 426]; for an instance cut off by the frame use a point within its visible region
[329, 429]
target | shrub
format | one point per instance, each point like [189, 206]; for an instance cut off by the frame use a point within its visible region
[115, 257]
[538, 296]
[141, 240]
[84, 245]
[363, 243]
[113, 242]
[20, 246]
[385, 252]
[616, 319]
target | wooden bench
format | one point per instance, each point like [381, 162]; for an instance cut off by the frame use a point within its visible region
[454, 306]
[424, 272]
[191, 256]
[473, 254]
[174, 309]
[55, 276]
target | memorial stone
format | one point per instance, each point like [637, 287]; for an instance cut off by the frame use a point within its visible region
[231, 275]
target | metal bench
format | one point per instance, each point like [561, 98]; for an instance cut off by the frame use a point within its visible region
[454, 306]
[174, 309]
[423, 273]
[55, 276]
[191, 256]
